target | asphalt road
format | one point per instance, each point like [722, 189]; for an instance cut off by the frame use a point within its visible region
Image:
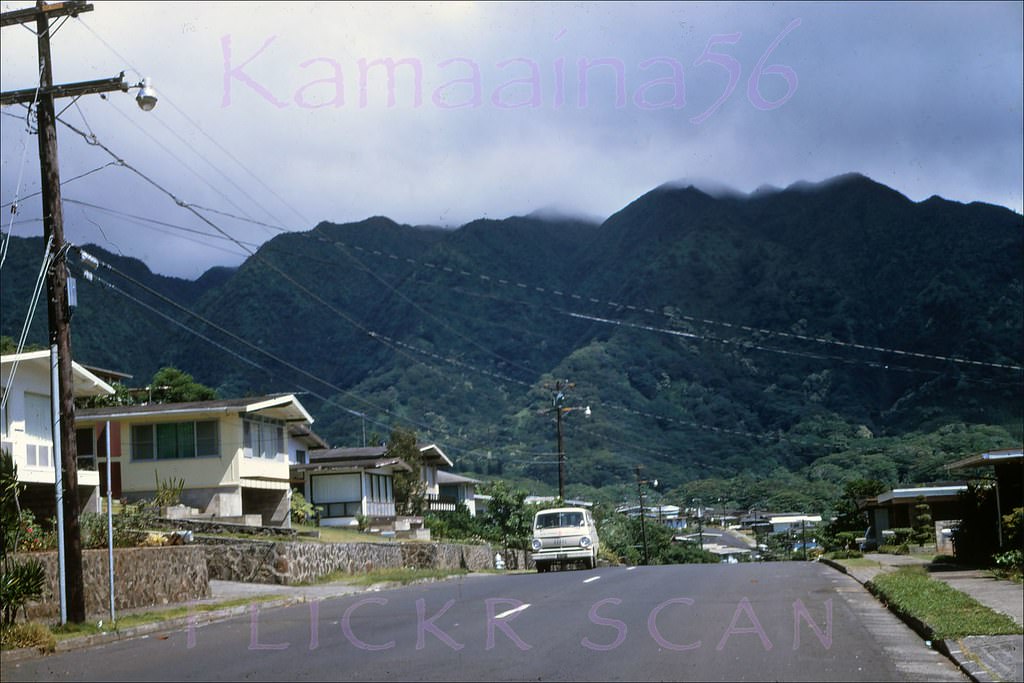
[746, 622]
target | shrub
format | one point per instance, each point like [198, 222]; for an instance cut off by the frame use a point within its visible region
[32, 634]
[303, 512]
[32, 537]
[19, 583]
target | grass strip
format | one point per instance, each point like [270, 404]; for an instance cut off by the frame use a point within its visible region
[63, 632]
[944, 611]
[401, 576]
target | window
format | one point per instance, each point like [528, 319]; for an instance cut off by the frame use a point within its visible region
[174, 440]
[340, 495]
[38, 430]
[86, 447]
[263, 438]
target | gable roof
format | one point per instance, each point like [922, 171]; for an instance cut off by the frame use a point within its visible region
[281, 406]
[999, 457]
[432, 455]
[86, 382]
[444, 477]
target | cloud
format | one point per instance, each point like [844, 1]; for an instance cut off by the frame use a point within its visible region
[924, 97]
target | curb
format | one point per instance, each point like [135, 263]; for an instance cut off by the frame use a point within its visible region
[197, 619]
[201, 618]
[955, 654]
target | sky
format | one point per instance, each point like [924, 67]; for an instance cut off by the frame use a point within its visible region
[276, 116]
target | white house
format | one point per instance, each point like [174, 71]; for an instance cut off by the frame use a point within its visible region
[348, 483]
[26, 429]
[454, 489]
[232, 454]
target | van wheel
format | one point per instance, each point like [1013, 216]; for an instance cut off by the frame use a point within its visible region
[588, 563]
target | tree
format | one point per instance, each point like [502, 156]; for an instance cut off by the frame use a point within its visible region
[410, 489]
[924, 525]
[171, 385]
[509, 521]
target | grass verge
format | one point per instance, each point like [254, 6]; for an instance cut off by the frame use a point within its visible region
[401, 576]
[944, 612]
[140, 618]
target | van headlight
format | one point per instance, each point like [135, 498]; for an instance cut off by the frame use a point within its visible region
[585, 542]
[536, 545]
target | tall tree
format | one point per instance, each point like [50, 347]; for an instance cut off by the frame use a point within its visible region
[410, 488]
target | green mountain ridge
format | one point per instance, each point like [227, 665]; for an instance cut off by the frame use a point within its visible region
[728, 343]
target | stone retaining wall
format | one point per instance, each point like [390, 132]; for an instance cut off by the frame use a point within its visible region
[290, 563]
[143, 577]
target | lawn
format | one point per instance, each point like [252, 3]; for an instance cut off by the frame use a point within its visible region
[945, 611]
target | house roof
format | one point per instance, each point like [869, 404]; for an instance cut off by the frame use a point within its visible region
[302, 432]
[793, 519]
[444, 477]
[352, 464]
[432, 455]
[281, 406]
[928, 492]
[999, 457]
[86, 382]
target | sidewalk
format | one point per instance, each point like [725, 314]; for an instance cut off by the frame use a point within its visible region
[983, 658]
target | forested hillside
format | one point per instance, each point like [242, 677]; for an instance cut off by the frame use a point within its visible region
[760, 349]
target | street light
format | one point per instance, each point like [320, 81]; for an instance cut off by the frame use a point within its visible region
[146, 98]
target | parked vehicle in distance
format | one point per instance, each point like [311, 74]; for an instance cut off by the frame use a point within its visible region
[869, 541]
[563, 536]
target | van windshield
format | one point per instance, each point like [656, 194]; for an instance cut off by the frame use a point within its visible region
[553, 520]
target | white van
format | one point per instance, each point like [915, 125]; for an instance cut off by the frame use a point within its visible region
[562, 536]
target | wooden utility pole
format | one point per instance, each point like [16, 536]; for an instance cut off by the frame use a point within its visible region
[643, 521]
[57, 276]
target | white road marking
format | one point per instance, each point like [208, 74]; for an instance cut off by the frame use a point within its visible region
[510, 612]
[592, 578]
[629, 569]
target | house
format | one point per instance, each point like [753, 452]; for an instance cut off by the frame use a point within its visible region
[26, 430]
[895, 509]
[792, 522]
[454, 489]
[348, 483]
[351, 482]
[1008, 467]
[232, 454]
[302, 441]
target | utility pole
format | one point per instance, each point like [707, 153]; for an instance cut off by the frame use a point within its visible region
[643, 523]
[559, 391]
[56, 281]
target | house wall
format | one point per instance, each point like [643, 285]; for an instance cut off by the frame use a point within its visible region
[35, 380]
[213, 484]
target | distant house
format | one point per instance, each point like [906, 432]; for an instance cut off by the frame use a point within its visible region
[26, 430]
[302, 441]
[895, 509]
[349, 482]
[232, 454]
[454, 489]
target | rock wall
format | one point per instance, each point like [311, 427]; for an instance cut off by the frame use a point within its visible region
[143, 577]
[291, 563]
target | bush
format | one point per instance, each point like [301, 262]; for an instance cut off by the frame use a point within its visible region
[32, 634]
[32, 537]
[303, 512]
[844, 554]
[19, 583]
